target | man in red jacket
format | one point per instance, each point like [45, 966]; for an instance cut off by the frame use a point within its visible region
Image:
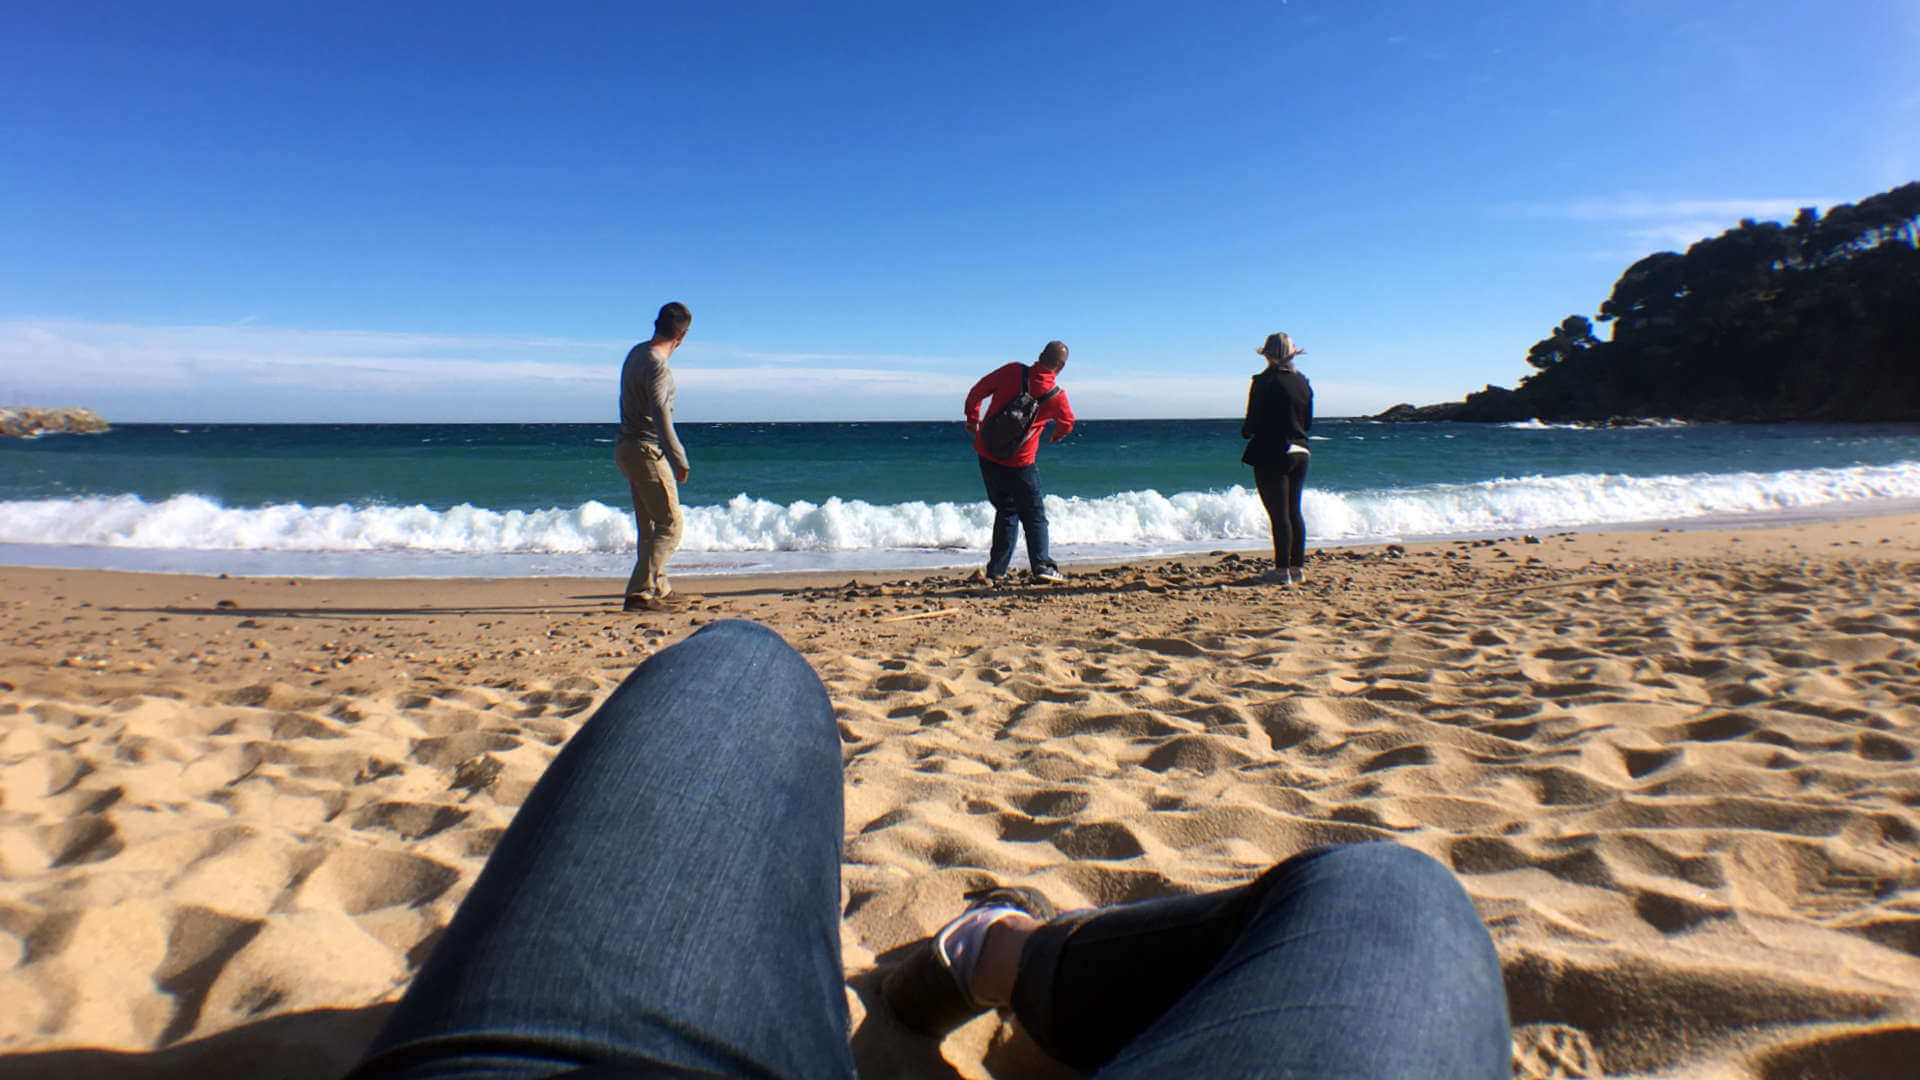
[1013, 480]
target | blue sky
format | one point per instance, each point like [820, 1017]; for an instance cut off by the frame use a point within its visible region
[468, 211]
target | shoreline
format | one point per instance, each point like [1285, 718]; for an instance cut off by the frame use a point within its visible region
[1674, 769]
[303, 564]
[521, 611]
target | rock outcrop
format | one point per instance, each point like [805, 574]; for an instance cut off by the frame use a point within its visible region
[25, 422]
[1494, 404]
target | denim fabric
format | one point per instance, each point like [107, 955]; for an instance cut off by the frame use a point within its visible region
[667, 904]
[1017, 502]
[667, 901]
[1361, 961]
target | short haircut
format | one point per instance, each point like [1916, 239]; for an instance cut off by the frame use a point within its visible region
[673, 320]
[1054, 355]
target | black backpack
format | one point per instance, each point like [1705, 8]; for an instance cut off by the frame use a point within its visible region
[1006, 430]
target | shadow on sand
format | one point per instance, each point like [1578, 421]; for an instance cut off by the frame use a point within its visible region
[318, 1045]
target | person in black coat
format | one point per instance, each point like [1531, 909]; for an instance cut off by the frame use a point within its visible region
[1279, 412]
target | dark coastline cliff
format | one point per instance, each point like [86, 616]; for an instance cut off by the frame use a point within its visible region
[1817, 320]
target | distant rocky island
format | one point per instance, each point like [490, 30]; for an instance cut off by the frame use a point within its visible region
[1817, 320]
[26, 422]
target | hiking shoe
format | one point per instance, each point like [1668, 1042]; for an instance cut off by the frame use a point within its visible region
[643, 602]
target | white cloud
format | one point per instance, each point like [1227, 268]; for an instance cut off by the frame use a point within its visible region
[756, 356]
[243, 372]
[1673, 236]
[1641, 224]
[1637, 208]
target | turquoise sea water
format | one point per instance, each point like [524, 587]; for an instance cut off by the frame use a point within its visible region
[503, 498]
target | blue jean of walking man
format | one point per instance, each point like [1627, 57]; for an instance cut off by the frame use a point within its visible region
[666, 903]
[1018, 504]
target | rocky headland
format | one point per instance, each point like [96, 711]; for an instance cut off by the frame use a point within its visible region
[1811, 320]
[26, 422]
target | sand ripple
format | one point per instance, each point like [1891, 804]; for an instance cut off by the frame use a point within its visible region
[180, 862]
[1681, 790]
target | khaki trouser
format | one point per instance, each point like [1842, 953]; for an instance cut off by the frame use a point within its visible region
[656, 511]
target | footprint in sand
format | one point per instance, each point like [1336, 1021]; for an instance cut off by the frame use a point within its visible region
[902, 682]
[80, 840]
[412, 821]
[1716, 728]
[1167, 646]
[1640, 763]
[359, 880]
[304, 726]
[1874, 746]
[1053, 802]
[448, 752]
[1203, 754]
[1416, 754]
[200, 943]
[1100, 841]
[1554, 1052]
[1672, 914]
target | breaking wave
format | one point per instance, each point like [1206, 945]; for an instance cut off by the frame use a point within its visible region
[1134, 518]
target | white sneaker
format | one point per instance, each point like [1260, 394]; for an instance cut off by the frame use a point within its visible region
[1296, 575]
[1051, 573]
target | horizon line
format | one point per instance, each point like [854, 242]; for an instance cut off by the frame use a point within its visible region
[614, 423]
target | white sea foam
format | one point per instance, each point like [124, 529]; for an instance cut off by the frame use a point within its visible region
[1536, 424]
[1137, 520]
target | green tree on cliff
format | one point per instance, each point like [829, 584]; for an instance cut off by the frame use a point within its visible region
[1572, 338]
[1814, 320]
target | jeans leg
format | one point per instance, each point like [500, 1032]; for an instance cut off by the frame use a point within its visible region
[1365, 960]
[1033, 515]
[668, 897]
[1296, 486]
[1006, 516]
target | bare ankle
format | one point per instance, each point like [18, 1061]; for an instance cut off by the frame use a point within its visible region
[999, 963]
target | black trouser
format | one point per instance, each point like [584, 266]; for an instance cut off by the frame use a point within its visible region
[1280, 487]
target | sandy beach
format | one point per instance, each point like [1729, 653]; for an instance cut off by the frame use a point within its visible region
[1675, 769]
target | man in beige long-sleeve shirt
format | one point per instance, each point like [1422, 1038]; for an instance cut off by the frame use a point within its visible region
[650, 456]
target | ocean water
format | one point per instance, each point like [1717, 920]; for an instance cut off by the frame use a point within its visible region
[493, 499]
